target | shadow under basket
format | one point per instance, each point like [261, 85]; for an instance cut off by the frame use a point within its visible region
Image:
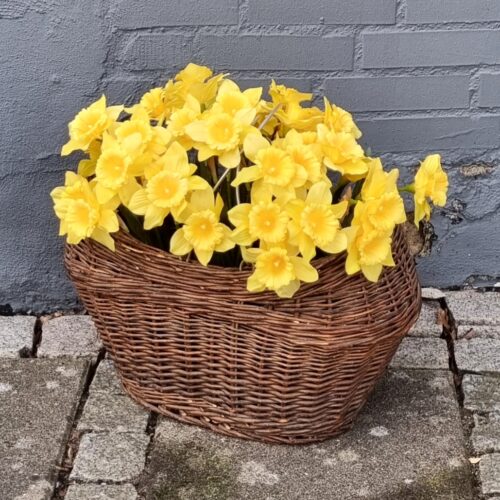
[189, 342]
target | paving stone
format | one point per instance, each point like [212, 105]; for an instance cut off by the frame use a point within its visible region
[474, 308]
[391, 453]
[38, 399]
[478, 355]
[481, 393]
[428, 323]
[111, 412]
[478, 331]
[421, 353]
[485, 436]
[433, 294]
[489, 472]
[16, 334]
[101, 492]
[106, 379]
[73, 335]
[114, 457]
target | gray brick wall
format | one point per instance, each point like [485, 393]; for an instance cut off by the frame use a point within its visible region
[420, 76]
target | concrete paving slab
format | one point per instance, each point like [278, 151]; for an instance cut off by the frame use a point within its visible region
[101, 492]
[481, 393]
[116, 457]
[489, 472]
[474, 308]
[38, 399]
[432, 293]
[106, 379]
[422, 353]
[478, 355]
[428, 323]
[111, 412]
[406, 444]
[16, 335]
[485, 435]
[478, 331]
[72, 335]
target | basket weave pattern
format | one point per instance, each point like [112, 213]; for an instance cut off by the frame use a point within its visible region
[191, 343]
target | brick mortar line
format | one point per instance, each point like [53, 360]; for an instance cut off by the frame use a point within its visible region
[74, 436]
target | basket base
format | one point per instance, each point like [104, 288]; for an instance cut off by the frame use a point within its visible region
[172, 407]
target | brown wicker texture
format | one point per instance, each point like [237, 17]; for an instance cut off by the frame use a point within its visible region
[191, 343]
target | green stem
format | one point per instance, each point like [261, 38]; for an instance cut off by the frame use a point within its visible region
[409, 188]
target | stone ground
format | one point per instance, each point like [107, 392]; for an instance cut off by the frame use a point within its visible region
[430, 431]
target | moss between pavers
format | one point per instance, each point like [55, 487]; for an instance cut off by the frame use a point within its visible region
[446, 484]
[191, 472]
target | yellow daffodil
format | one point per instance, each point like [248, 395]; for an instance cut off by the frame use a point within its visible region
[306, 157]
[340, 120]
[115, 172]
[315, 222]
[342, 153]
[202, 231]
[231, 100]
[277, 270]
[431, 182]
[263, 220]
[89, 124]
[195, 80]
[154, 104]
[368, 248]
[181, 118]
[384, 205]
[220, 134]
[273, 169]
[166, 191]
[86, 167]
[81, 215]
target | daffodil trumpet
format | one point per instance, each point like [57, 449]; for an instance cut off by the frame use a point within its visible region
[206, 170]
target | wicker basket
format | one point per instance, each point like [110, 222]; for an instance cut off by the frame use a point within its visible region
[191, 343]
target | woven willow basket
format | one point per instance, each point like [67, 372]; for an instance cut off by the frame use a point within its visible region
[191, 343]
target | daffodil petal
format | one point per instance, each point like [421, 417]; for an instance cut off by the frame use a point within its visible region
[247, 174]
[139, 202]
[154, 216]
[103, 238]
[230, 159]
[337, 245]
[252, 144]
[319, 193]
[254, 284]
[288, 291]
[238, 215]
[372, 273]
[304, 270]
[203, 256]
[178, 243]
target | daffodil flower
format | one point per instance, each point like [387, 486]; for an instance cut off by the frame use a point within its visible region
[81, 215]
[340, 120]
[220, 134]
[263, 220]
[315, 222]
[384, 205]
[202, 231]
[277, 270]
[342, 153]
[431, 182]
[166, 191]
[273, 167]
[89, 124]
[368, 248]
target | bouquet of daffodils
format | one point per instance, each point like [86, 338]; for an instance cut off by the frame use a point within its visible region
[202, 169]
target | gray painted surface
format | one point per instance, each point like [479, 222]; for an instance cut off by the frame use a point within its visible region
[420, 75]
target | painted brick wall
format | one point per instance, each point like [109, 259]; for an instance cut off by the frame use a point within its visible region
[420, 76]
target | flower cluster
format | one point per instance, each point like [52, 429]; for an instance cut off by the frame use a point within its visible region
[201, 166]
